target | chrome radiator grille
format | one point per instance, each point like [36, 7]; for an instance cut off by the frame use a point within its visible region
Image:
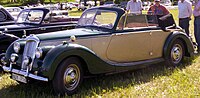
[29, 51]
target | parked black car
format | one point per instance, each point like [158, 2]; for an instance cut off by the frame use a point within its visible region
[5, 17]
[34, 21]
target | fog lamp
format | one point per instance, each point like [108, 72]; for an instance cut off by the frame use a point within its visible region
[13, 58]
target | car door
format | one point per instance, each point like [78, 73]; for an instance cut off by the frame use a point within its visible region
[158, 39]
[159, 36]
[132, 43]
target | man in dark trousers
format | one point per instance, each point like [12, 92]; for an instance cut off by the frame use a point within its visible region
[196, 13]
[184, 14]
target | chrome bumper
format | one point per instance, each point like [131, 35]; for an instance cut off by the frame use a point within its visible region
[24, 73]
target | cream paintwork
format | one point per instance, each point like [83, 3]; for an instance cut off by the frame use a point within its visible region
[128, 47]
[85, 42]
[97, 44]
[100, 45]
[158, 38]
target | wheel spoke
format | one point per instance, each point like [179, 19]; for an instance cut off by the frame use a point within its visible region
[176, 53]
[71, 77]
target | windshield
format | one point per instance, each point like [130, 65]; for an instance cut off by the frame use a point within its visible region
[30, 16]
[99, 18]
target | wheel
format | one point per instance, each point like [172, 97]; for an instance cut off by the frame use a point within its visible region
[68, 77]
[176, 53]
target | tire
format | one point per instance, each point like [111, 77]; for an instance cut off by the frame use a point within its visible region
[175, 54]
[71, 69]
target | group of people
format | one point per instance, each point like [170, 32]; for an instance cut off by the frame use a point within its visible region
[184, 9]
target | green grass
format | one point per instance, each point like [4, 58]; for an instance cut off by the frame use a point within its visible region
[154, 81]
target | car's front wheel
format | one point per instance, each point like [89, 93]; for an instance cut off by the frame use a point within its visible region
[68, 77]
[176, 53]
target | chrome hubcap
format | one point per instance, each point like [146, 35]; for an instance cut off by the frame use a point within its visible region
[176, 53]
[71, 77]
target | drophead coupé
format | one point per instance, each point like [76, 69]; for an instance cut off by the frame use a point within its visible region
[106, 40]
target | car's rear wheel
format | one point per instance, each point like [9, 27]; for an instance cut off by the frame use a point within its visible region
[68, 77]
[175, 53]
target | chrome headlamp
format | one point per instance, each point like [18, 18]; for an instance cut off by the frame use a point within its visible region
[16, 47]
[13, 58]
[38, 52]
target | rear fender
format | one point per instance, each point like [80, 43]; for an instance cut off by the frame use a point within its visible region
[189, 48]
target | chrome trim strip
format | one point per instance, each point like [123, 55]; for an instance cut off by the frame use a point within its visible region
[24, 73]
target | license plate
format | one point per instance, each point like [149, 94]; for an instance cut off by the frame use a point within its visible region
[19, 78]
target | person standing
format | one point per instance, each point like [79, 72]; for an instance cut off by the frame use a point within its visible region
[157, 9]
[184, 14]
[196, 13]
[134, 6]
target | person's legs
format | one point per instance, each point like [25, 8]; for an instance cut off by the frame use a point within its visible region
[184, 24]
[197, 31]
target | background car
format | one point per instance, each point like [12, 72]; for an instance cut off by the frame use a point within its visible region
[70, 6]
[166, 2]
[34, 21]
[5, 17]
[56, 11]
[14, 11]
[106, 40]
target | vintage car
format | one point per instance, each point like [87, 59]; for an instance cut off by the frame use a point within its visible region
[106, 40]
[34, 21]
[14, 11]
[5, 17]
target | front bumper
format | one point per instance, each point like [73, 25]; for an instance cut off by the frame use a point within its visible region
[24, 73]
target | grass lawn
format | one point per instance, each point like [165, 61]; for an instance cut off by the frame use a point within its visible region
[154, 81]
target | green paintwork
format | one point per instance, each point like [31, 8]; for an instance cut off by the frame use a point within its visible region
[56, 55]
[177, 35]
[67, 33]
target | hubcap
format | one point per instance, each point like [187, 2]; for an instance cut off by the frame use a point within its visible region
[71, 77]
[176, 53]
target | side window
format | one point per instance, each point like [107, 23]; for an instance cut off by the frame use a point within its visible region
[135, 21]
[105, 19]
[3, 16]
[87, 18]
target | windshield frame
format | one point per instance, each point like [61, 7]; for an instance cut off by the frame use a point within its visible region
[29, 10]
[95, 14]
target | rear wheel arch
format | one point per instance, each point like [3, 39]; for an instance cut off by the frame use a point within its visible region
[177, 36]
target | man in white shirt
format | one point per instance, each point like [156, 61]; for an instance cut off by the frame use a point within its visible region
[135, 6]
[185, 13]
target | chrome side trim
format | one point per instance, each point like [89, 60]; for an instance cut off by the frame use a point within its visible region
[24, 73]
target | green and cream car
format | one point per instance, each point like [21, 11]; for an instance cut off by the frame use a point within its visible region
[106, 40]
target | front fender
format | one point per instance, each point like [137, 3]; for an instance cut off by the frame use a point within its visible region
[56, 55]
[185, 39]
